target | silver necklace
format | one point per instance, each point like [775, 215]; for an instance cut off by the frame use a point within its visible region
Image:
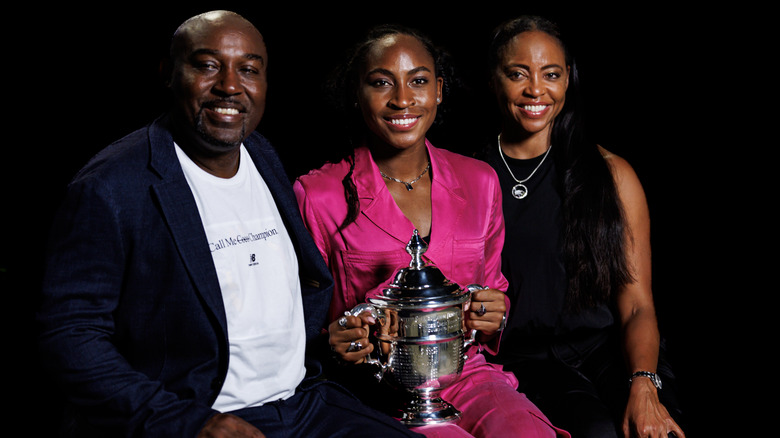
[407, 184]
[520, 191]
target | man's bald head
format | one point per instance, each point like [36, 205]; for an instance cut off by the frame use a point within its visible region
[207, 20]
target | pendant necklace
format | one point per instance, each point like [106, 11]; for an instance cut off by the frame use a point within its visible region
[407, 184]
[519, 191]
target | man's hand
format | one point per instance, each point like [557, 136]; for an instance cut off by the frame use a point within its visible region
[228, 426]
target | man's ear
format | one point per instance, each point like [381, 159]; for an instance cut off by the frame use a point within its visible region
[164, 71]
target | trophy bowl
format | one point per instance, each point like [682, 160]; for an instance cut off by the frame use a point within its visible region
[420, 338]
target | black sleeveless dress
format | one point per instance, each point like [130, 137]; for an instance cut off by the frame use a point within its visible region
[532, 262]
[557, 354]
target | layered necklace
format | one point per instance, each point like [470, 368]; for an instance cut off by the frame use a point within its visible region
[519, 191]
[407, 184]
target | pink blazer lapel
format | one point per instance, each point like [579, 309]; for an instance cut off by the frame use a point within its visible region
[448, 202]
[376, 203]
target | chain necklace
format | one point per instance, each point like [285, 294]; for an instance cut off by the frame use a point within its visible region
[407, 184]
[520, 191]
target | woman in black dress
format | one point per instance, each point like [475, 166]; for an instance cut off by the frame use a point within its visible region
[577, 252]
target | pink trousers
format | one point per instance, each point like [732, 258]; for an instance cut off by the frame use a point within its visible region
[490, 406]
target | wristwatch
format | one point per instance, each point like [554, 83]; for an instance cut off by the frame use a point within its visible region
[652, 376]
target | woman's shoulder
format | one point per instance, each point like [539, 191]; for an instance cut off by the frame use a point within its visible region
[626, 180]
[619, 166]
[322, 186]
[328, 173]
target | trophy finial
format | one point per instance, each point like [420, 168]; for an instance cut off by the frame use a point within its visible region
[416, 248]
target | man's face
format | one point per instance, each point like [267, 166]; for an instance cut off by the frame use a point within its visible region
[219, 82]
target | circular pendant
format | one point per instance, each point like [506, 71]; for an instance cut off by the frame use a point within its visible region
[519, 191]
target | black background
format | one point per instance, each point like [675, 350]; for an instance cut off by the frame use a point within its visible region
[656, 82]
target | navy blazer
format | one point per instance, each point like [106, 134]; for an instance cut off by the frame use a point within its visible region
[132, 321]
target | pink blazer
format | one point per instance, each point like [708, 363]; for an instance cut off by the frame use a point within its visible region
[467, 232]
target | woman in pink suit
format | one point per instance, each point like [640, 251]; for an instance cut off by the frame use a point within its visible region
[363, 209]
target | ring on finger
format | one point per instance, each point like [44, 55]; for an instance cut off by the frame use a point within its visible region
[354, 346]
[343, 322]
[482, 310]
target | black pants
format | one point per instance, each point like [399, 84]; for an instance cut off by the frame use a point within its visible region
[581, 384]
[322, 409]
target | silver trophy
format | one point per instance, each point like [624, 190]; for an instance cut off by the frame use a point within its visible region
[420, 340]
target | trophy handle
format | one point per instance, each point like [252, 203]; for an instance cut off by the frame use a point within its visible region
[469, 340]
[357, 310]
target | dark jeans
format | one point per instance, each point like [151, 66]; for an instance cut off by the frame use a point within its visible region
[322, 409]
[581, 384]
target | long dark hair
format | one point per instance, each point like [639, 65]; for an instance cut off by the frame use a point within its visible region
[341, 89]
[595, 234]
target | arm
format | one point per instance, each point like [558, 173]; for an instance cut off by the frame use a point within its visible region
[645, 415]
[79, 332]
[354, 328]
[310, 219]
[494, 299]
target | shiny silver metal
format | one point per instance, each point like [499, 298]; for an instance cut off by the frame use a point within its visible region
[419, 337]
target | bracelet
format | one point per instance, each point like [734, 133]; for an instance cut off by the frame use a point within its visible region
[502, 326]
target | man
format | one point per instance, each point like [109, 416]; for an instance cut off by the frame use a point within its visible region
[181, 285]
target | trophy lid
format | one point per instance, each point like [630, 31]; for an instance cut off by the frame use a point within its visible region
[420, 281]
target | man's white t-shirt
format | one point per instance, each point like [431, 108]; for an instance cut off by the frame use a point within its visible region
[258, 274]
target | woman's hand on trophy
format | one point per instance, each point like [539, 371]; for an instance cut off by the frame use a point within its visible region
[486, 311]
[348, 337]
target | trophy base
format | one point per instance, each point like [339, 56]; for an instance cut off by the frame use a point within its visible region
[423, 411]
